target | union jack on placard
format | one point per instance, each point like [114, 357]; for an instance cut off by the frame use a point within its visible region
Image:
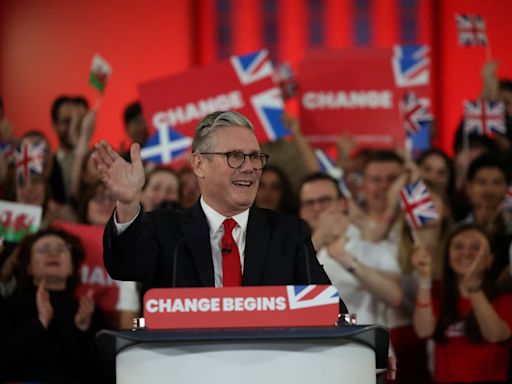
[269, 108]
[411, 65]
[417, 204]
[29, 160]
[328, 166]
[165, 145]
[506, 205]
[484, 117]
[307, 296]
[471, 30]
[252, 67]
[414, 113]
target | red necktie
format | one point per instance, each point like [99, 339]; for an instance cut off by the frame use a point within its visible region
[231, 268]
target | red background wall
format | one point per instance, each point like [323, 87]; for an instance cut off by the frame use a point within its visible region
[46, 46]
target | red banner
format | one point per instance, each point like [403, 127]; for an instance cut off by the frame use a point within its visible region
[179, 102]
[358, 91]
[241, 307]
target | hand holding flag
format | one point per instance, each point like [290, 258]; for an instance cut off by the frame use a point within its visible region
[417, 205]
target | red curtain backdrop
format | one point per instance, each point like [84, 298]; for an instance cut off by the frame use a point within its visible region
[47, 46]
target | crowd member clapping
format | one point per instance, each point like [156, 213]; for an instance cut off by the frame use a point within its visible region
[469, 321]
[48, 334]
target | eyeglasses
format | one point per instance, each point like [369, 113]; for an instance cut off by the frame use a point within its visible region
[321, 201]
[64, 249]
[236, 159]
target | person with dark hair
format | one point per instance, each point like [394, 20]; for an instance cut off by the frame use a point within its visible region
[275, 191]
[469, 322]
[47, 333]
[135, 124]
[322, 207]
[488, 178]
[74, 125]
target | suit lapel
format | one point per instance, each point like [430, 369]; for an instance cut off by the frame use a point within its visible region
[197, 237]
[258, 235]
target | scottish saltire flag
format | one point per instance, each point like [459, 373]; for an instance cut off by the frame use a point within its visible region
[100, 73]
[414, 113]
[417, 204]
[328, 166]
[484, 117]
[411, 65]
[506, 205]
[307, 296]
[252, 67]
[471, 30]
[164, 146]
[29, 160]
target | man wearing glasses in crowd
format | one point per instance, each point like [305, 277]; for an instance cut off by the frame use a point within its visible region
[220, 241]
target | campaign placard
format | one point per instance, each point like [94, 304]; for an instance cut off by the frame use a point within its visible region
[358, 91]
[241, 307]
[174, 105]
[18, 220]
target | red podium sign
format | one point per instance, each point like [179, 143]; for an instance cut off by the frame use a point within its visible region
[241, 307]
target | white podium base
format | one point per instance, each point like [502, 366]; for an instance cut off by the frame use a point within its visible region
[248, 362]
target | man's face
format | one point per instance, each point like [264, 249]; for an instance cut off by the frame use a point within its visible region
[229, 191]
[137, 130]
[316, 197]
[67, 113]
[378, 177]
[488, 187]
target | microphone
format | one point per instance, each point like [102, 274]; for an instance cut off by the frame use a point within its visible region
[175, 260]
[306, 258]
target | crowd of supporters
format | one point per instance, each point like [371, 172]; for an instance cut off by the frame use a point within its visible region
[444, 289]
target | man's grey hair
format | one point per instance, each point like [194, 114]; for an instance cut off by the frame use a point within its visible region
[214, 121]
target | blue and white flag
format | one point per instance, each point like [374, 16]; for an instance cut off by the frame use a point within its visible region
[164, 146]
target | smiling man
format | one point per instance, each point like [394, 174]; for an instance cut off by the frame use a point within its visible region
[221, 240]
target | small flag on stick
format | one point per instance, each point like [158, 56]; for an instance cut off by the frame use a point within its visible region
[100, 73]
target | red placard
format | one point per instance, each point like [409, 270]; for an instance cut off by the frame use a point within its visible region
[358, 91]
[241, 307]
[243, 83]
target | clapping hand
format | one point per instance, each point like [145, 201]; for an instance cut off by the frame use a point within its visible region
[44, 307]
[85, 310]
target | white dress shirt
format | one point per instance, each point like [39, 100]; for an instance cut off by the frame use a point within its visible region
[215, 221]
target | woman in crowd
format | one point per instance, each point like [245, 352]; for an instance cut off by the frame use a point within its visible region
[97, 205]
[469, 321]
[162, 185]
[48, 334]
[275, 192]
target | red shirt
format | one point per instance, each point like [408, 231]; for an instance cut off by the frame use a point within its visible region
[460, 360]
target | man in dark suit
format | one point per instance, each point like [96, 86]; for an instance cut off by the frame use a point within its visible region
[194, 248]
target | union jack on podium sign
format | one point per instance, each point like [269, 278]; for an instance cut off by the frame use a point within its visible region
[241, 307]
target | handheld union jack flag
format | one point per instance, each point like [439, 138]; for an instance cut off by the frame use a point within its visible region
[328, 166]
[164, 146]
[417, 204]
[414, 113]
[411, 65]
[506, 205]
[29, 160]
[471, 30]
[307, 296]
[484, 117]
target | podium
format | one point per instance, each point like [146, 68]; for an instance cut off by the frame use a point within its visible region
[338, 354]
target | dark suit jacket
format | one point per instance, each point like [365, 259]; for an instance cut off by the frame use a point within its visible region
[276, 250]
